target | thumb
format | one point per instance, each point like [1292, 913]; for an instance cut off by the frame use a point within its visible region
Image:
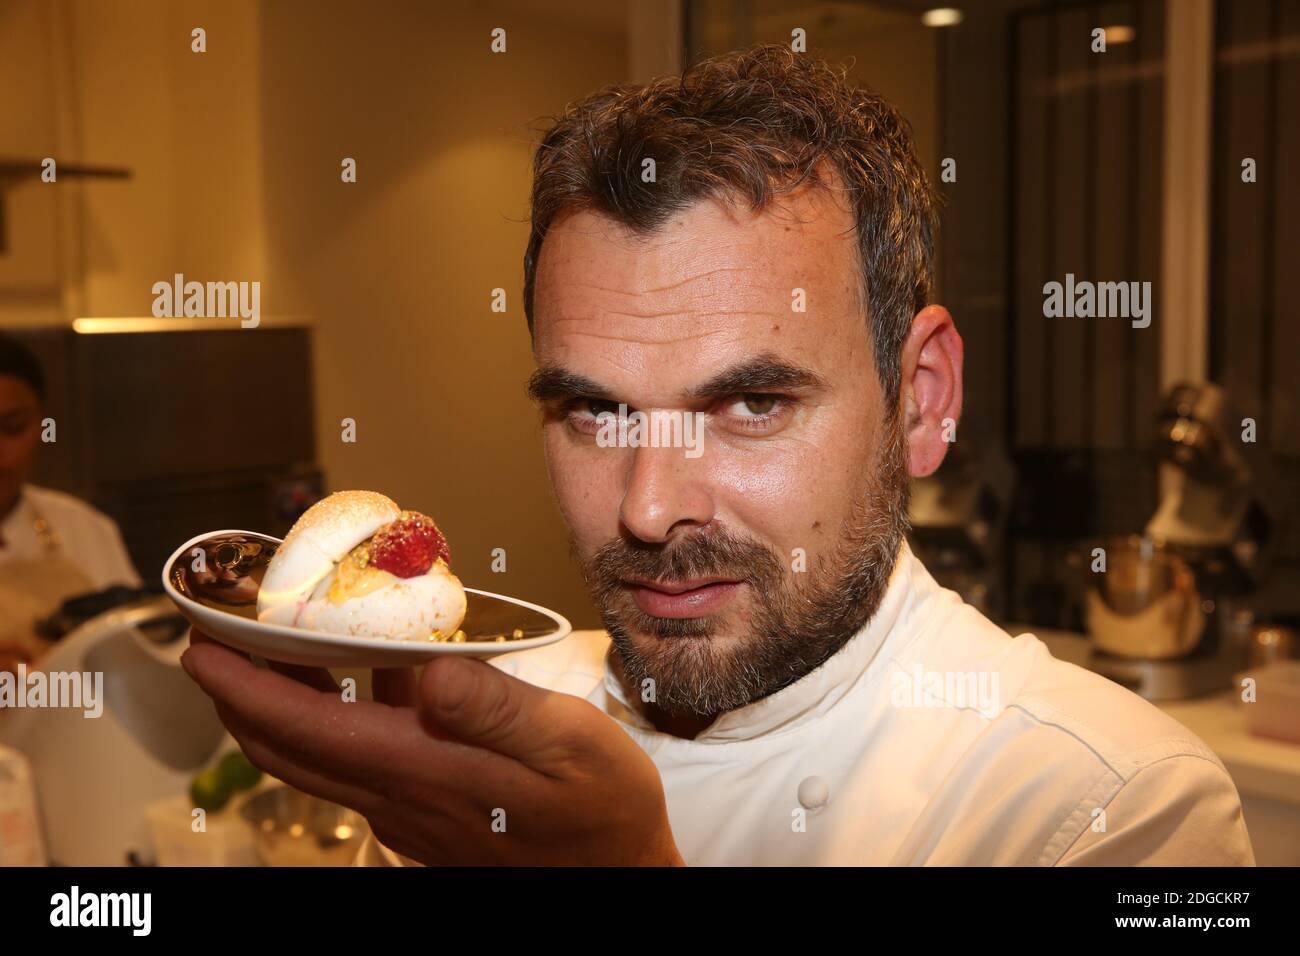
[484, 706]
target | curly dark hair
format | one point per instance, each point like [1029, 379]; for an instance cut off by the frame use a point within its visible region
[750, 124]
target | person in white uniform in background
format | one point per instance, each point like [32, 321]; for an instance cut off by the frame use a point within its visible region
[780, 681]
[53, 546]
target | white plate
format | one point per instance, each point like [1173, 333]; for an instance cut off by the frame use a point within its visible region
[488, 615]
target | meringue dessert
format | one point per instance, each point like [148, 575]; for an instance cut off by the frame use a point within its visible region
[358, 565]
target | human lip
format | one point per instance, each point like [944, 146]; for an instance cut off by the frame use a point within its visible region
[678, 587]
[691, 598]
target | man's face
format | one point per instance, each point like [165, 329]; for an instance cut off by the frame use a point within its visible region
[725, 575]
[20, 434]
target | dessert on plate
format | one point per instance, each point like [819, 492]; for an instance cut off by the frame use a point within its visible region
[358, 565]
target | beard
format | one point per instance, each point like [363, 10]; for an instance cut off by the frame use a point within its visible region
[797, 619]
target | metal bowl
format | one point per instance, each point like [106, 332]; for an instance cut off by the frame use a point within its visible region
[296, 829]
[1145, 604]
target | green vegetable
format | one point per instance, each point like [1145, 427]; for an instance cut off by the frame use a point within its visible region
[238, 774]
[210, 791]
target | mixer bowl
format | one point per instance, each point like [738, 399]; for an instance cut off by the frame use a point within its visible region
[1145, 605]
[296, 829]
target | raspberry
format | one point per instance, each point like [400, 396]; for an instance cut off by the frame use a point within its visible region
[408, 545]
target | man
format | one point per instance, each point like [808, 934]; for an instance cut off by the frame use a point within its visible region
[782, 681]
[52, 546]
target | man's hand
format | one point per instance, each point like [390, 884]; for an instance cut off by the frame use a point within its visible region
[466, 765]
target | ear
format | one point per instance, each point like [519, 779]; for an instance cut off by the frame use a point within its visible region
[931, 368]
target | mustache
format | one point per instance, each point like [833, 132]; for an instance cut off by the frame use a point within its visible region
[708, 553]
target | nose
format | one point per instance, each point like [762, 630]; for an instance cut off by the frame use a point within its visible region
[666, 494]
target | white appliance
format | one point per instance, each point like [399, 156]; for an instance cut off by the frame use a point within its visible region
[96, 775]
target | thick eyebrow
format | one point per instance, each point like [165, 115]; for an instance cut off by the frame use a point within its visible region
[553, 383]
[764, 373]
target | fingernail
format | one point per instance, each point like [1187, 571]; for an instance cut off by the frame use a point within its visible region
[186, 663]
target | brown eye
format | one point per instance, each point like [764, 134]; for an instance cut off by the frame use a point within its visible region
[759, 404]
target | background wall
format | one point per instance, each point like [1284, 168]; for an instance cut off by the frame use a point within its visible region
[235, 157]
[397, 270]
[117, 85]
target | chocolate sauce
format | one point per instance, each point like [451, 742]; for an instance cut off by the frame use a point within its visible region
[225, 571]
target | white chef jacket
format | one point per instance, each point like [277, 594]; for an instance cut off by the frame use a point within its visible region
[88, 538]
[879, 757]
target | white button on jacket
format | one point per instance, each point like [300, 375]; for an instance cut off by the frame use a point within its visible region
[931, 738]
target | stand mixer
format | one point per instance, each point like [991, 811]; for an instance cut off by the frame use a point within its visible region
[1169, 615]
[958, 519]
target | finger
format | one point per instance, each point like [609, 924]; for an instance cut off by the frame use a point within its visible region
[199, 637]
[288, 770]
[202, 637]
[359, 742]
[394, 686]
[482, 705]
[317, 678]
[408, 791]
[207, 649]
